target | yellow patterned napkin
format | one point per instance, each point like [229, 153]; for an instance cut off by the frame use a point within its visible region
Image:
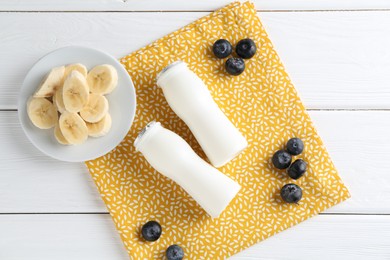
[261, 102]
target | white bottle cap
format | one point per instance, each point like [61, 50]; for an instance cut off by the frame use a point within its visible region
[144, 133]
[169, 70]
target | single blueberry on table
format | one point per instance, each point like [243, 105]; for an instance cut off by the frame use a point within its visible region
[222, 48]
[281, 159]
[295, 146]
[174, 252]
[235, 66]
[151, 231]
[246, 48]
[297, 169]
[291, 193]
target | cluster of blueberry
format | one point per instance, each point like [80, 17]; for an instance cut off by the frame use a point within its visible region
[245, 49]
[291, 192]
[152, 230]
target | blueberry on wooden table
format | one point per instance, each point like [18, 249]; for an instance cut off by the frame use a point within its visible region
[174, 252]
[281, 159]
[291, 193]
[235, 66]
[151, 231]
[295, 146]
[297, 169]
[246, 48]
[222, 48]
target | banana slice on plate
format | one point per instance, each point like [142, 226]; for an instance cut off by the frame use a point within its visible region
[73, 128]
[75, 92]
[100, 128]
[59, 136]
[75, 66]
[102, 79]
[95, 109]
[42, 113]
[58, 101]
[51, 82]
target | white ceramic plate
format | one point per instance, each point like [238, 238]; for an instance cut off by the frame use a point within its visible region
[122, 103]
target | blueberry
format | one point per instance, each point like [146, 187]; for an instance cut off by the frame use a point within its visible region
[297, 169]
[291, 193]
[295, 146]
[281, 159]
[235, 66]
[222, 48]
[246, 48]
[151, 231]
[174, 252]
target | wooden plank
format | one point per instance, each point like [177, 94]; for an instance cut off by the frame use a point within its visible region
[39, 237]
[94, 237]
[327, 237]
[357, 141]
[177, 5]
[329, 60]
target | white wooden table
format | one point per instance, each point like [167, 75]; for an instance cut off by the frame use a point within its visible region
[338, 55]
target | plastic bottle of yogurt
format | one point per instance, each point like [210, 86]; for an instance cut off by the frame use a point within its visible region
[172, 156]
[190, 99]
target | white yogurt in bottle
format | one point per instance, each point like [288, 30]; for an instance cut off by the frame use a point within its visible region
[172, 156]
[190, 99]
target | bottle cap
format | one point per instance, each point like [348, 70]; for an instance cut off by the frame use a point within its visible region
[144, 132]
[168, 70]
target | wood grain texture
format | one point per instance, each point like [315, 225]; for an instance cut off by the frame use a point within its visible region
[335, 59]
[358, 142]
[178, 5]
[87, 237]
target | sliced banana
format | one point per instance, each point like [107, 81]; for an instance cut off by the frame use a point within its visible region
[95, 109]
[102, 79]
[72, 89]
[100, 128]
[75, 92]
[73, 128]
[58, 100]
[42, 113]
[59, 136]
[51, 82]
[75, 66]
